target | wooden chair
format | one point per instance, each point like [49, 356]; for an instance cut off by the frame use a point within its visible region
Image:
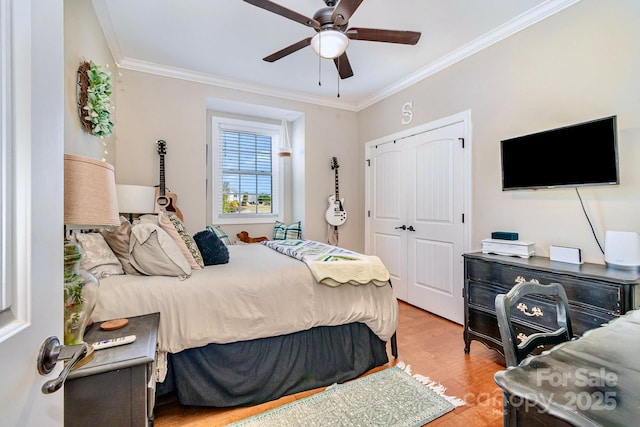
[515, 352]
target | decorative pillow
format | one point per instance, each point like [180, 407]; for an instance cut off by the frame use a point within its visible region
[220, 233]
[118, 240]
[98, 258]
[176, 229]
[211, 247]
[154, 253]
[148, 218]
[284, 232]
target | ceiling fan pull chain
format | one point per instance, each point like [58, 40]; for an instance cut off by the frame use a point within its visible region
[338, 77]
[320, 66]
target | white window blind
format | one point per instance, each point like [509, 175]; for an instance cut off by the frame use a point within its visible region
[246, 180]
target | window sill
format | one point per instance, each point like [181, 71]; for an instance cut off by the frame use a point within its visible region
[247, 219]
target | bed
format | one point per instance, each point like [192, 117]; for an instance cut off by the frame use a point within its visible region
[255, 329]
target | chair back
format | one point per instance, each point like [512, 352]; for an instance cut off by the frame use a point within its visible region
[514, 351]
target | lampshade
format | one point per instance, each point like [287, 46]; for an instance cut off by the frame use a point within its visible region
[136, 199]
[89, 193]
[329, 43]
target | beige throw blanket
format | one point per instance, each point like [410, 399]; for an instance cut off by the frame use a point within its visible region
[334, 266]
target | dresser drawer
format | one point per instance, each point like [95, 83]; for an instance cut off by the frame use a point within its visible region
[485, 322]
[588, 292]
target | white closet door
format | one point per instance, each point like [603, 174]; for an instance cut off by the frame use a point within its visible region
[434, 199]
[388, 213]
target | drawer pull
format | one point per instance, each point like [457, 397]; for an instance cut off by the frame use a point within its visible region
[521, 279]
[535, 311]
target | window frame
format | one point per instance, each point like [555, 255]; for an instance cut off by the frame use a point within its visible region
[215, 169]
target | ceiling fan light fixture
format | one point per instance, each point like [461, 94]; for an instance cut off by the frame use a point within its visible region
[329, 43]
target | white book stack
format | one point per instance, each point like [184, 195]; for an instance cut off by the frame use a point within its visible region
[520, 248]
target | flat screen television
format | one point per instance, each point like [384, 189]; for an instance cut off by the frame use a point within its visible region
[576, 155]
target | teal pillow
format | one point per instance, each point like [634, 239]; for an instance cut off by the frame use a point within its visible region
[285, 232]
[220, 233]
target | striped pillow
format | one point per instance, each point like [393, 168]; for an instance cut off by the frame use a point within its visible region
[220, 233]
[284, 232]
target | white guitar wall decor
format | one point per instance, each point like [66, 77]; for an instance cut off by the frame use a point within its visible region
[336, 215]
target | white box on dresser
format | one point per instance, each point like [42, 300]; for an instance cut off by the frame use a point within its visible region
[520, 248]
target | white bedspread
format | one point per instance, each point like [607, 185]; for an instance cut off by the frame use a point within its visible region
[259, 293]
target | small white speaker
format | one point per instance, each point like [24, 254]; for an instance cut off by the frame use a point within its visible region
[565, 254]
[622, 250]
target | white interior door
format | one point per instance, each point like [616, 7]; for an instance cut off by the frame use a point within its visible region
[31, 198]
[435, 234]
[387, 238]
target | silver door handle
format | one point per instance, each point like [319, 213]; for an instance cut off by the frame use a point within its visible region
[51, 352]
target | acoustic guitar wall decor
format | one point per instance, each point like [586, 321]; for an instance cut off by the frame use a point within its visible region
[336, 215]
[165, 201]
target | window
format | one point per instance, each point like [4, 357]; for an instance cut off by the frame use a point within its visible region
[246, 180]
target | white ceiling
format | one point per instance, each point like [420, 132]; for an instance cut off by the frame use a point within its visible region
[223, 42]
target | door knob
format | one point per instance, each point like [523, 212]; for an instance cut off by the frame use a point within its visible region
[402, 227]
[410, 228]
[51, 352]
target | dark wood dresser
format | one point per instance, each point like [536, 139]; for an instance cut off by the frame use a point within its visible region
[597, 294]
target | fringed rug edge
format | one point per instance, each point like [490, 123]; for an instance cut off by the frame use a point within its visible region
[432, 385]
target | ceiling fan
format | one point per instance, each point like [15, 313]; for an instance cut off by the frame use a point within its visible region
[332, 32]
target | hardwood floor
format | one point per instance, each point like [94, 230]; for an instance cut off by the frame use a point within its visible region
[432, 346]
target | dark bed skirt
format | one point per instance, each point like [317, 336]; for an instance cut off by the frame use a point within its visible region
[256, 371]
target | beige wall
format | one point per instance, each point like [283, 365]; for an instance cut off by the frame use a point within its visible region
[152, 107]
[84, 41]
[580, 64]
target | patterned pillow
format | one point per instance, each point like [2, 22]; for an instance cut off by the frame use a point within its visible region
[176, 229]
[220, 233]
[211, 247]
[284, 232]
[98, 258]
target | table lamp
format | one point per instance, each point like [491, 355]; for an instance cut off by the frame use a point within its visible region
[89, 202]
[136, 199]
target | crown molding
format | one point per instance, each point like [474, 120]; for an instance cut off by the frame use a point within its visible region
[210, 79]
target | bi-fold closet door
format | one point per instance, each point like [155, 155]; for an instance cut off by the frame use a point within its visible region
[415, 217]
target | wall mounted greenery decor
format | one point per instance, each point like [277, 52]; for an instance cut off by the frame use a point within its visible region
[94, 105]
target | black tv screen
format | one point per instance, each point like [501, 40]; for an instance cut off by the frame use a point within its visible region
[571, 156]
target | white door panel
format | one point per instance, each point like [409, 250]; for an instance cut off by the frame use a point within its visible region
[435, 212]
[390, 249]
[31, 198]
[388, 240]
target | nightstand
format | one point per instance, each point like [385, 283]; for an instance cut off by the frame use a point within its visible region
[117, 386]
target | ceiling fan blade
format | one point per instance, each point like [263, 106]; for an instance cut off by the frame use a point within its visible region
[344, 10]
[283, 11]
[387, 36]
[288, 50]
[343, 66]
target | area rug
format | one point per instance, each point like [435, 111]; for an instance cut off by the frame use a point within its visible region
[389, 398]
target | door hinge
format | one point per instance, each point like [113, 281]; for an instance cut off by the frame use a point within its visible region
[462, 141]
[369, 162]
[368, 214]
[463, 218]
